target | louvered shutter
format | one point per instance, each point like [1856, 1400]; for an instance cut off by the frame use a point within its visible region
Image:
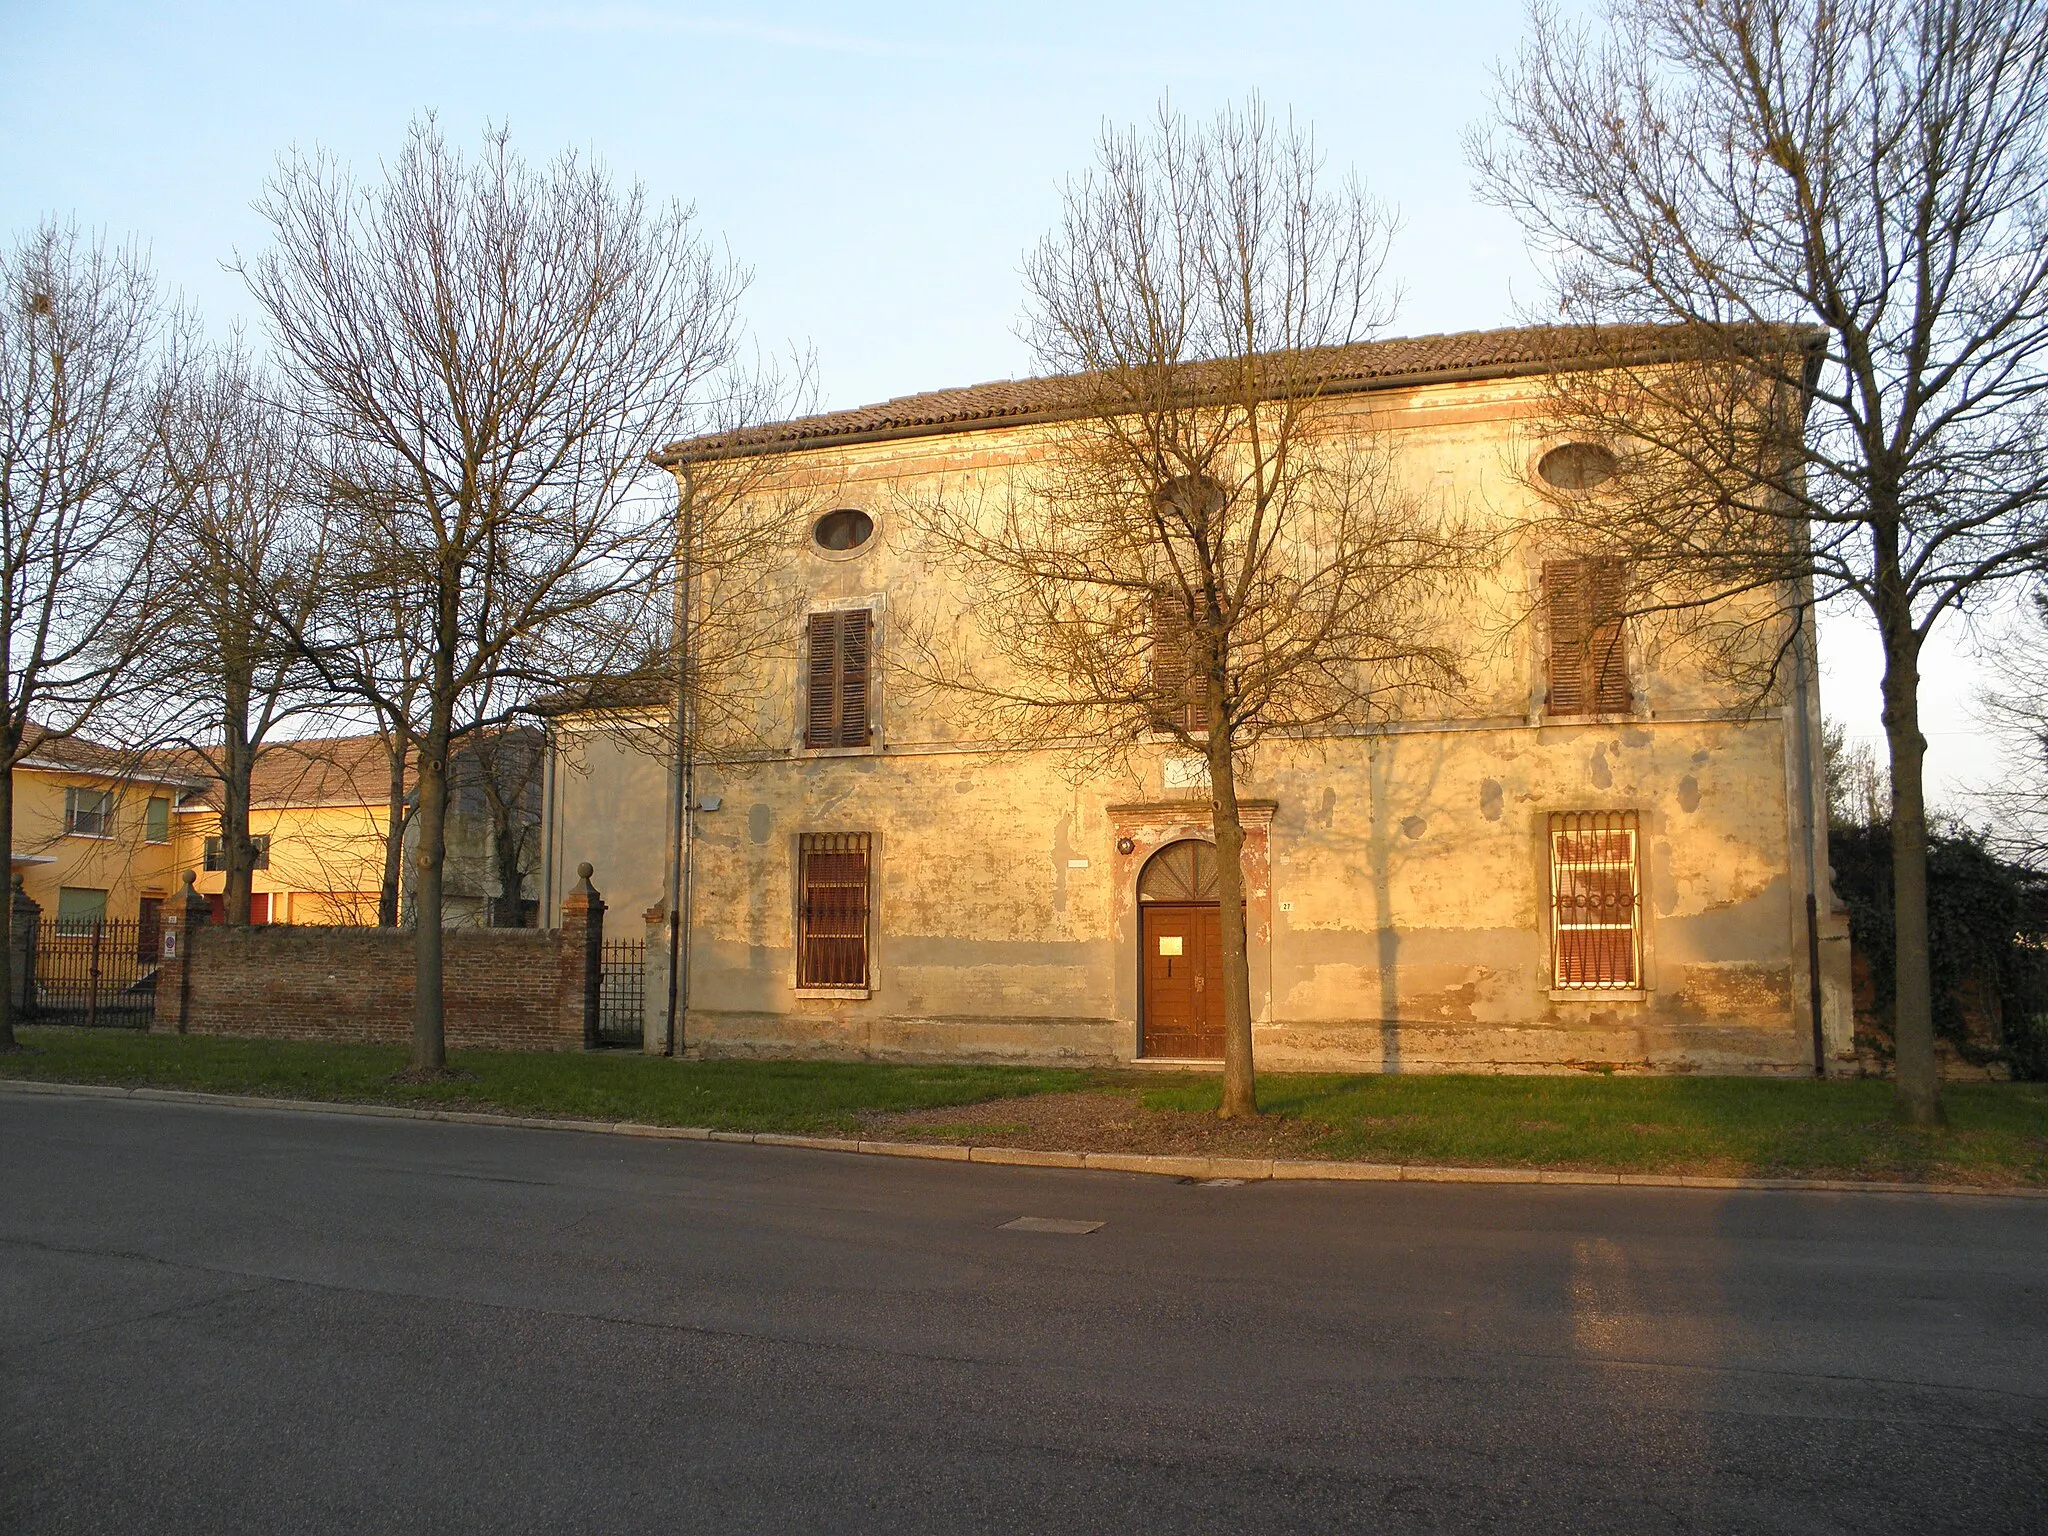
[1564, 599]
[1607, 679]
[838, 679]
[1174, 684]
[832, 941]
[853, 678]
[821, 718]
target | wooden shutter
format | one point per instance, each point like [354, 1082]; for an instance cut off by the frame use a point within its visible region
[1564, 600]
[1584, 601]
[1179, 697]
[853, 678]
[836, 702]
[1596, 900]
[1607, 680]
[832, 917]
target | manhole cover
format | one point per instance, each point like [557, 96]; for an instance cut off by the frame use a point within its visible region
[1050, 1224]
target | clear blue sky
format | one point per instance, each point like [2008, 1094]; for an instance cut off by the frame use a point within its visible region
[882, 168]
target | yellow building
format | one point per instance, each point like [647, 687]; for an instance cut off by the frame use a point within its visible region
[96, 832]
[1417, 890]
[317, 814]
[103, 835]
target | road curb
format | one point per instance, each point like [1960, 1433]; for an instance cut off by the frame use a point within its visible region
[1168, 1165]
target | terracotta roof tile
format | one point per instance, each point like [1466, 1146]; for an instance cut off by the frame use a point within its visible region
[1496, 353]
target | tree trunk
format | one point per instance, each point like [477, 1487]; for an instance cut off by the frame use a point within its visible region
[508, 842]
[388, 892]
[238, 855]
[429, 1044]
[7, 1040]
[1916, 1083]
[1240, 1097]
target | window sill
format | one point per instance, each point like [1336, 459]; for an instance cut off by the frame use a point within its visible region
[1599, 995]
[91, 837]
[1613, 717]
[872, 749]
[833, 994]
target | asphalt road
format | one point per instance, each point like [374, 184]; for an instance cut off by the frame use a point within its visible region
[227, 1320]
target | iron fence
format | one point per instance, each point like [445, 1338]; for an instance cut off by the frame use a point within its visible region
[622, 992]
[95, 973]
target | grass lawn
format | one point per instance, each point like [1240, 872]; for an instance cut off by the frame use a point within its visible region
[1765, 1127]
[1998, 1132]
[789, 1096]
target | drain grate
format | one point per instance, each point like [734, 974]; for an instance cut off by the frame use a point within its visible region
[1065, 1224]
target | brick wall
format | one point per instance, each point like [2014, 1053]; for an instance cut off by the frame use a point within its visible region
[508, 989]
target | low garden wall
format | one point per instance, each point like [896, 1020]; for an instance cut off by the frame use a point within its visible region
[505, 989]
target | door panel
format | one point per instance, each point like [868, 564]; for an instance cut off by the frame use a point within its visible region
[1183, 981]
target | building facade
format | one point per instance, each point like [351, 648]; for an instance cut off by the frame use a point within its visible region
[1600, 856]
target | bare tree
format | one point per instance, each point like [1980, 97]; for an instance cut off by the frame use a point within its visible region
[78, 324]
[245, 564]
[2016, 708]
[1212, 551]
[489, 353]
[1857, 795]
[1842, 202]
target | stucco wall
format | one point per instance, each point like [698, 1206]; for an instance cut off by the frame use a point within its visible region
[1399, 903]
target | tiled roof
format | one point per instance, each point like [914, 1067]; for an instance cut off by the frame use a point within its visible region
[311, 770]
[1366, 365]
[79, 754]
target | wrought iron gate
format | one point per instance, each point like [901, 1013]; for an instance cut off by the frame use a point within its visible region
[96, 973]
[622, 992]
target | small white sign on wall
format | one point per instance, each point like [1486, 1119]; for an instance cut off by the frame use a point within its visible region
[1185, 773]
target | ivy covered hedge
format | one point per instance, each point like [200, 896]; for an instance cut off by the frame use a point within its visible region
[1987, 925]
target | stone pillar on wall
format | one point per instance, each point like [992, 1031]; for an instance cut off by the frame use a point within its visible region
[183, 917]
[23, 932]
[583, 933]
[654, 982]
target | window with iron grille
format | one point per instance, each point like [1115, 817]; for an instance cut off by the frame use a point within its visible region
[837, 680]
[89, 812]
[832, 912]
[1178, 694]
[216, 856]
[1596, 901]
[1583, 602]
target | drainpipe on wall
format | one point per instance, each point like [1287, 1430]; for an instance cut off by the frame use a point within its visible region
[681, 790]
[1802, 659]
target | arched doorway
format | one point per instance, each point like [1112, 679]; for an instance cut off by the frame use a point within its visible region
[1180, 959]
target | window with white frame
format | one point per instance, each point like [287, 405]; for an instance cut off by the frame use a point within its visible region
[89, 812]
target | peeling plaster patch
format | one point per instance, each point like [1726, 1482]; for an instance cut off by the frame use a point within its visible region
[964, 787]
[1732, 933]
[1489, 799]
[1689, 794]
[1603, 776]
[759, 820]
[1414, 826]
[1701, 758]
[1326, 808]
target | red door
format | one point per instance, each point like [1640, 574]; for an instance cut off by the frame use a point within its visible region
[1183, 981]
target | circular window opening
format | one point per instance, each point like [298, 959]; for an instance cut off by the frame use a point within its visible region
[1577, 466]
[848, 528]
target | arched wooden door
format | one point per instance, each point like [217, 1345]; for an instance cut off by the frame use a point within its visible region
[1180, 962]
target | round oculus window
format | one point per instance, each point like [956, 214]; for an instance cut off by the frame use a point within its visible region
[1577, 466]
[848, 528]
